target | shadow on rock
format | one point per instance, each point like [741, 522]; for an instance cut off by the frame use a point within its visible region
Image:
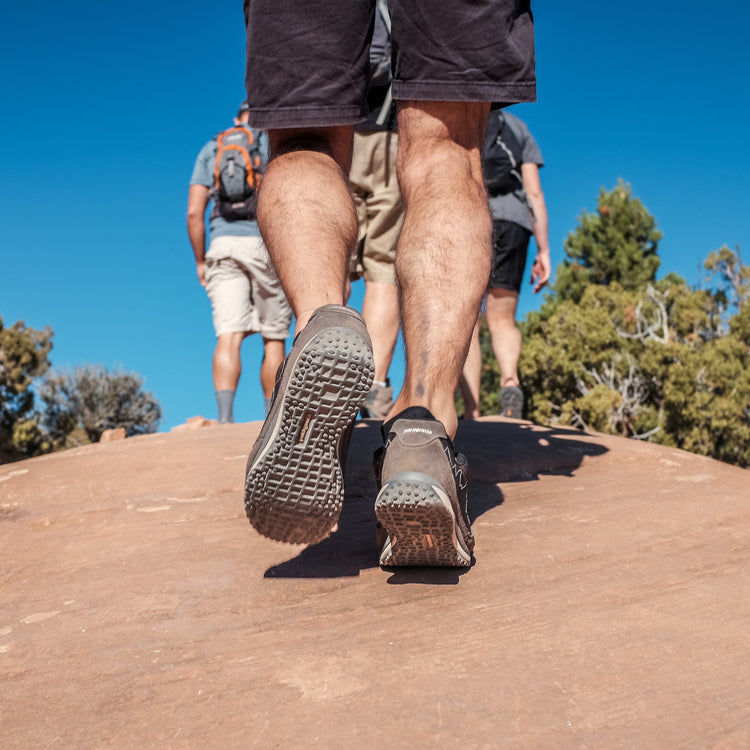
[510, 451]
[349, 549]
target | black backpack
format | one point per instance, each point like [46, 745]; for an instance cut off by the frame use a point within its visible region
[237, 174]
[501, 159]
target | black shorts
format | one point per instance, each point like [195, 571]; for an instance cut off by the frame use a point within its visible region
[510, 246]
[307, 62]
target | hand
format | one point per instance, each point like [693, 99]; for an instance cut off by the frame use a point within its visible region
[200, 267]
[540, 271]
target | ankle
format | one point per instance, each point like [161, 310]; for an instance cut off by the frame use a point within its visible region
[444, 413]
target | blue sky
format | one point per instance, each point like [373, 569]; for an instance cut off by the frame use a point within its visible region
[104, 109]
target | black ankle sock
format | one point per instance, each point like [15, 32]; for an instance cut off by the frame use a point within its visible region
[411, 412]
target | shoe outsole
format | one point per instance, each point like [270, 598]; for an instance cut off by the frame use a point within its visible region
[421, 524]
[294, 489]
[510, 403]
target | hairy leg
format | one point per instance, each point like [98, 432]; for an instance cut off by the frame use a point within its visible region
[273, 356]
[443, 260]
[471, 377]
[506, 338]
[306, 215]
[380, 310]
[227, 364]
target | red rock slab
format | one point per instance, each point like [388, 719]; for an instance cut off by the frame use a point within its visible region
[608, 607]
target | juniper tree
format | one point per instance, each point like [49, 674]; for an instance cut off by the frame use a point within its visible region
[94, 399]
[23, 356]
[618, 243]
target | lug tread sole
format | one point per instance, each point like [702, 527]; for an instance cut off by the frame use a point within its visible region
[421, 524]
[295, 489]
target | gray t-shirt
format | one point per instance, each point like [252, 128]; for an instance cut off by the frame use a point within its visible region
[203, 174]
[514, 206]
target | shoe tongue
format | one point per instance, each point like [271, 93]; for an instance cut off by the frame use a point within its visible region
[411, 412]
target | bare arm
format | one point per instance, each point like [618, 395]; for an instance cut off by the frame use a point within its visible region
[542, 268]
[196, 226]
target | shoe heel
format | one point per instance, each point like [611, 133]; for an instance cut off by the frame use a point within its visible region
[417, 514]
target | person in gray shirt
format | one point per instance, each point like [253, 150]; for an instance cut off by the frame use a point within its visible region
[517, 213]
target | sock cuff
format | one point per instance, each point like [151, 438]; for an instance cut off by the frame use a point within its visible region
[411, 412]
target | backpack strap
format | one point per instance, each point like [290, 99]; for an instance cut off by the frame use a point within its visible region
[385, 15]
[385, 110]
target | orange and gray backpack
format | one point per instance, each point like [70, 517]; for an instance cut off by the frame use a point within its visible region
[237, 173]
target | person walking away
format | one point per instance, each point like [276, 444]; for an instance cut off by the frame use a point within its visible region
[237, 272]
[511, 164]
[451, 62]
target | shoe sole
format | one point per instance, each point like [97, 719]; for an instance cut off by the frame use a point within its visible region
[512, 406]
[421, 523]
[294, 489]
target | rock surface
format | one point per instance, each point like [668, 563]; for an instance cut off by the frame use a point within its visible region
[109, 436]
[608, 608]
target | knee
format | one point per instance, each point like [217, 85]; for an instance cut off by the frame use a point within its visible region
[228, 344]
[335, 142]
[502, 324]
[432, 163]
[440, 172]
[441, 141]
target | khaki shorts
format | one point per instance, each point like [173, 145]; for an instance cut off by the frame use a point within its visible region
[380, 208]
[245, 292]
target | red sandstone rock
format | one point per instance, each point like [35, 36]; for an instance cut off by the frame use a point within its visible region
[109, 436]
[608, 607]
[194, 423]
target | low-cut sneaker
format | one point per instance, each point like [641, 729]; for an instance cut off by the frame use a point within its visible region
[510, 402]
[294, 483]
[422, 503]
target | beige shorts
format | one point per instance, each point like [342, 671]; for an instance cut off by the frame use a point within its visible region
[380, 208]
[245, 292]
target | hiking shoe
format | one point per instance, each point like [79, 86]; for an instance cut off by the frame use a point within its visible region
[510, 402]
[422, 503]
[379, 401]
[294, 485]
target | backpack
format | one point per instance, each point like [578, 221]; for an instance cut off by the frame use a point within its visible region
[501, 157]
[237, 174]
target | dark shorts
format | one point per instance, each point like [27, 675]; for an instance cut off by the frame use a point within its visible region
[510, 246]
[307, 62]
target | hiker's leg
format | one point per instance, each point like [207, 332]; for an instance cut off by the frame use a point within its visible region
[307, 217]
[381, 313]
[273, 356]
[378, 152]
[227, 368]
[506, 338]
[227, 363]
[306, 78]
[471, 377]
[443, 259]
[509, 252]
